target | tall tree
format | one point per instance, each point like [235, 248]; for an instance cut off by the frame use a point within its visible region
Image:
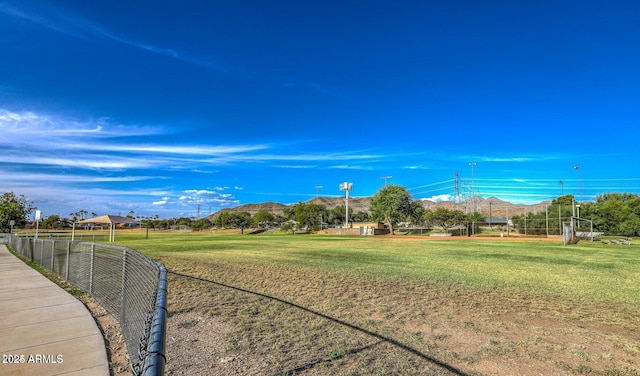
[444, 218]
[14, 208]
[392, 204]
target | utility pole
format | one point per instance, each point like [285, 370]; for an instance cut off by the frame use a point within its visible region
[561, 185]
[577, 168]
[385, 179]
[318, 188]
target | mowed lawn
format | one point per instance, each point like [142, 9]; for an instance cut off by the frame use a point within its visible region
[302, 304]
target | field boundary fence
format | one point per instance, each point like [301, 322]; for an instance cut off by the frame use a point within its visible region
[132, 287]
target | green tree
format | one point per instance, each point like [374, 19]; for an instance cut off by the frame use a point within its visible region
[392, 204]
[201, 224]
[14, 208]
[416, 213]
[308, 215]
[229, 219]
[474, 219]
[183, 222]
[359, 216]
[444, 218]
[51, 222]
[241, 220]
[163, 224]
[614, 213]
[336, 214]
[263, 218]
[223, 219]
[289, 212]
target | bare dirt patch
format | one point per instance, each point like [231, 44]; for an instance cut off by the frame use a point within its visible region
[199, 346]
[338, 324]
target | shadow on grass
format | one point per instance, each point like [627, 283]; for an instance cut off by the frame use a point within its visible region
[381, 337]
[308, 366]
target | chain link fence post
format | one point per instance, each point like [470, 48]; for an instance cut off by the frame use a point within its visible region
[91, 271]
[66, 268]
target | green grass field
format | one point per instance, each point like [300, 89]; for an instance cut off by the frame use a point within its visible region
[361, 305]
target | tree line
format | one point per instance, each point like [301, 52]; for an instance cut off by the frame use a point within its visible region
[611, 213]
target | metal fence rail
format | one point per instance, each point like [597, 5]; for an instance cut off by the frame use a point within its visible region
[126, 283]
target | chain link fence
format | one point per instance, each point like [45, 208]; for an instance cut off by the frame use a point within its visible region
[126, 283]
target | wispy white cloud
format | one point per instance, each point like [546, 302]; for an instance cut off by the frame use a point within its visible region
[50, 140]
[171, 149]
[66, 22]
[41, 139]
[296, 166]
[350, 167]
[30, 127]
[416, 167]
[506, 159]
[85, 161]
[64, 178]
[320, 156]
[59, 24]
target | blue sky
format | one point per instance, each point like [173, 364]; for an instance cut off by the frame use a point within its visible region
[157, 107]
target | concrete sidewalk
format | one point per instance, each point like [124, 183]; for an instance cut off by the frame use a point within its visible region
[43, 329]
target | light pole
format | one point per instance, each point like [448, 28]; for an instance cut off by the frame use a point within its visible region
[473, 198]
[318, 188]
[577, 168]
[38, 216]
[385, 179]
[561, 186]
[346, 187]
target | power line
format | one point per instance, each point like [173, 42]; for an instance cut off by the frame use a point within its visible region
[431, 184]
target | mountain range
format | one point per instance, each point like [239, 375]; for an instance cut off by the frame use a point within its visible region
[491, 207]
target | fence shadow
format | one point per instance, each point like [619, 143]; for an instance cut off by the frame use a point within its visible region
[380, 337]
[310, 365]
